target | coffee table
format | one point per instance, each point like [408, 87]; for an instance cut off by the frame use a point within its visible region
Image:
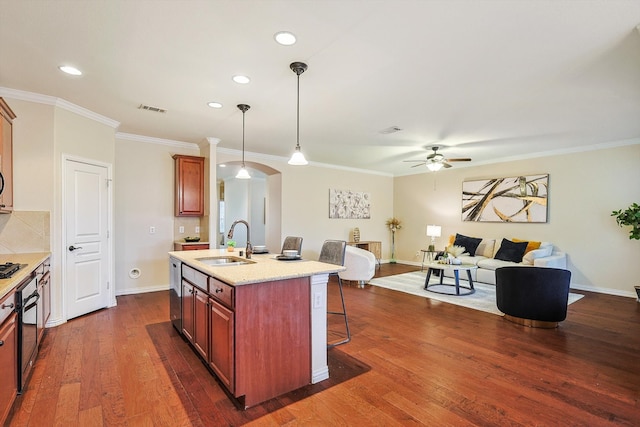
[456, 272]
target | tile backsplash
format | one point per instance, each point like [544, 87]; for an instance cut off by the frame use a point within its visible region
[25, 232]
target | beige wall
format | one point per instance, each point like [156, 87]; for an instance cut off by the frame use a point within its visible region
[33, 160]
[305, 204]
[583, 190]
[44, 131]
[144, 196]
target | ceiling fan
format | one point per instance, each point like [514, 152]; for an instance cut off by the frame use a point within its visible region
[435, 161]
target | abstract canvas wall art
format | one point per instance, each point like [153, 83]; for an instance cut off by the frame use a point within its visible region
[349, 204]
[514, 199]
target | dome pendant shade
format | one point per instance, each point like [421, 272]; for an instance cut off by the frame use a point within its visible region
[297, 159]
[243, 173]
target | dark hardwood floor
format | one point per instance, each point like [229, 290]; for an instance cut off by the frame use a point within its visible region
[430, 363]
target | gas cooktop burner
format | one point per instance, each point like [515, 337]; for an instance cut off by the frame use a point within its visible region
[8, 269]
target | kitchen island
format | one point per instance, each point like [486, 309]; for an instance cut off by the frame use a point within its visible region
[261, 327]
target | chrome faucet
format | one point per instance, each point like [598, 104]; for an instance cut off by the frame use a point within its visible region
[249, 248]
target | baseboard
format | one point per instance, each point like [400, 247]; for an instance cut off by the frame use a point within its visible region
[132, 291]
[608, 291]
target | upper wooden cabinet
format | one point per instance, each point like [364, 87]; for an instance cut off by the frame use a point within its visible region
[189, 196]
[6, 157]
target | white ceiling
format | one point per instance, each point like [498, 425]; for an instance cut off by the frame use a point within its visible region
[485, 79]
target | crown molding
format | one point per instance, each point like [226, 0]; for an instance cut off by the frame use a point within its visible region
[280, 159]
[154, 140]
[57, 102]
[550, 153]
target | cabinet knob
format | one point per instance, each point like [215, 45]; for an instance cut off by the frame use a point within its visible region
[219, 290]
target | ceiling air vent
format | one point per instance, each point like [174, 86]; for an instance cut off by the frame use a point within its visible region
[150, 108]
[392, 129]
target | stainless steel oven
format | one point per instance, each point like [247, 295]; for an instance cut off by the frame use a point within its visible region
[27, 307]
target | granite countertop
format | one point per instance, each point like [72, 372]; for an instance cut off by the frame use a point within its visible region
[32, 260]
[265, 269]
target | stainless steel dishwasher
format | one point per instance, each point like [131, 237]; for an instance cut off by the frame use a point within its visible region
[175, 293]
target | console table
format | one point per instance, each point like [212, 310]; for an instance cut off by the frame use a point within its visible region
[374, 247]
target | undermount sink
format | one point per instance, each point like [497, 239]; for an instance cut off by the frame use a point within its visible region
[224, 260]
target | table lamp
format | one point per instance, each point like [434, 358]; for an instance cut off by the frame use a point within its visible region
[433, 231]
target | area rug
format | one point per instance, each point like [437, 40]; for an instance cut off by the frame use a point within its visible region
[484, 299]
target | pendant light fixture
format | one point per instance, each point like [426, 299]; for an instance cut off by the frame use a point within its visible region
[243, 173]
[297, 159]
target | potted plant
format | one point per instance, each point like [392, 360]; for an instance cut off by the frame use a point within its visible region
[394, 225]
[231, 244]
[630, 216]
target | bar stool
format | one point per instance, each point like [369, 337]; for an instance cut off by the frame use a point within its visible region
[332, 252]
[292, 243]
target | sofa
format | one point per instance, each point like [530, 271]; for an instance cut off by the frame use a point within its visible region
[491, 254]
[360, 264]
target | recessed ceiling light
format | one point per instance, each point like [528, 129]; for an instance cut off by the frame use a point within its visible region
[285, 38]
[214, 105]
[70, 70]
[222, 165]
[243, 80]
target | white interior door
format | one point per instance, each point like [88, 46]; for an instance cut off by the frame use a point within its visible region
[87, 265]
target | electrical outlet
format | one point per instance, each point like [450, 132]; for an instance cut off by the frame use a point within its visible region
[197, 228]
[181, 229]
[152, 230]
[317, 300]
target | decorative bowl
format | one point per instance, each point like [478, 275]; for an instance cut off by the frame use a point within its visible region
[191, 239]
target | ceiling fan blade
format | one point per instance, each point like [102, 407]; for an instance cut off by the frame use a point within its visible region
[419, 164]
[446, 165]
[462, 159]
[413, 161]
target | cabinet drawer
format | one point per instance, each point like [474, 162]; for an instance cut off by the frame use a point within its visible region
[195, 277]
[7, 306]
[195, 247]
[221, 292]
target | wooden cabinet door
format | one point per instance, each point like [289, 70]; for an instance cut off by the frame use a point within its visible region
[8, 355]
[6, 157]
[187, 310]
[221, 354]
[201, 323]
[189, 191]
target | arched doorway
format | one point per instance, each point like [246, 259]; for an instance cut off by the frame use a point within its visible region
[256, 200]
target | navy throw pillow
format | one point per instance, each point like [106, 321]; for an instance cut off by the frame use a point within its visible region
[511, 251]
[470, 244]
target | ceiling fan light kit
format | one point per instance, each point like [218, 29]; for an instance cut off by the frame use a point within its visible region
[436, 161]
[298, 159]
[434, 166]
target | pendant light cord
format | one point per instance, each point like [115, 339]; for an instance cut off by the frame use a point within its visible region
[298, 116]
[243, 139]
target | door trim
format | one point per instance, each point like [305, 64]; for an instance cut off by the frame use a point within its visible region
[63, 248]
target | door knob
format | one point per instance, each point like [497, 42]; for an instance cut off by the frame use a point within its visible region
[73, 248]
